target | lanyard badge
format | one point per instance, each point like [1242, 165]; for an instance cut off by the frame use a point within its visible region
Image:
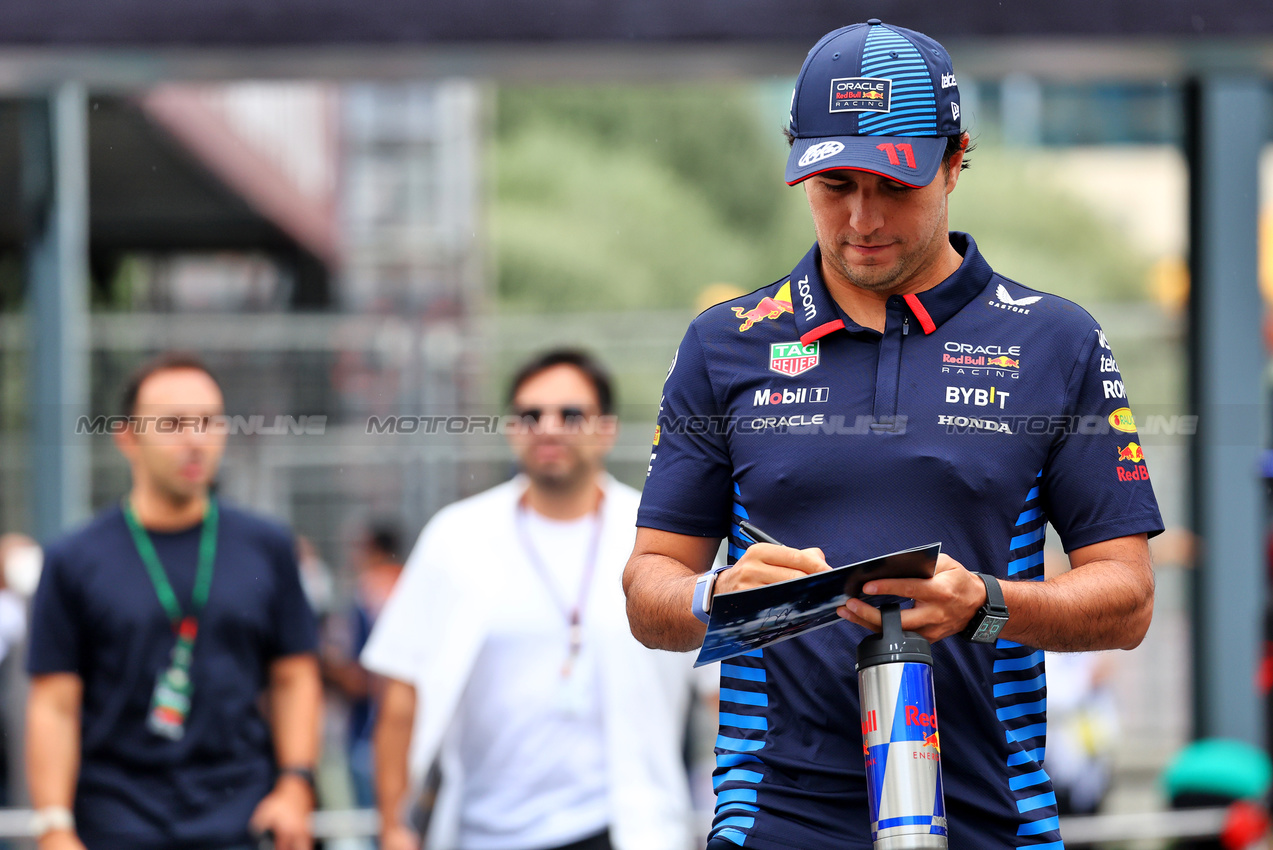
[171, 700]
[170, 703]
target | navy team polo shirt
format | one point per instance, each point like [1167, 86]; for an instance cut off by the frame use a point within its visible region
[984, 411]
[96, 614]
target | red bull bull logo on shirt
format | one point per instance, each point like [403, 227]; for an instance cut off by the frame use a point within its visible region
[1132, 452]
[768, 308]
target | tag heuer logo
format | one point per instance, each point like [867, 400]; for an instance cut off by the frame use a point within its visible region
[792, 358]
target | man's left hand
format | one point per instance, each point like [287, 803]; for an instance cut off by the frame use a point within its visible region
[285, 813]
[943, 604]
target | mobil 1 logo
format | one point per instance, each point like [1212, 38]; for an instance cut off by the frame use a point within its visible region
[800, 395]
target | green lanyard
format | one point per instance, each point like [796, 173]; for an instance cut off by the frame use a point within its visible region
[155, 568]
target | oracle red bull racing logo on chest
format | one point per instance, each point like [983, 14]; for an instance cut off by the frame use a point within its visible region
[793, 358]
[976, 359]
[769, 307]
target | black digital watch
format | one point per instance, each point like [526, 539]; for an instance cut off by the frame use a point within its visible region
[985, 625]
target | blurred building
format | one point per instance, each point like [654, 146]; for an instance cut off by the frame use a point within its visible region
[319, 244]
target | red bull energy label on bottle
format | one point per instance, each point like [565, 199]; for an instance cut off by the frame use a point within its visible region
[901, 744]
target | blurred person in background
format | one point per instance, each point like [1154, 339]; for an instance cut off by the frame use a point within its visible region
[13, 629]
[13, 612]
[506, 650]
[1083, 719]
[378, 563]
[316, 578]
[1083, 725]
[156, 629]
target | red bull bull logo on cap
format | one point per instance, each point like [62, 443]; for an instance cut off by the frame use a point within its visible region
[768, 308]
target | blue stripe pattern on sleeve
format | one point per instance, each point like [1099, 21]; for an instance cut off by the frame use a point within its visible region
[1020, 689]
[743, 721]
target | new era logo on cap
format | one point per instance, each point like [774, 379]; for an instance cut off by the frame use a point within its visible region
[819, 152]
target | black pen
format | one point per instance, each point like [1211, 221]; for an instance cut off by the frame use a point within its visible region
[756, 534]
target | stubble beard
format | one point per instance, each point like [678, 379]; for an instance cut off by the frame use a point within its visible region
[573, 476]
[894, 276]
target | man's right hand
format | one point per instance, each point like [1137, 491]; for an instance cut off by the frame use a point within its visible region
[765, 563]
[60, 839]
[394, 837]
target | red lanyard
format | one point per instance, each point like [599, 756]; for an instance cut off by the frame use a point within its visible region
[573, 615]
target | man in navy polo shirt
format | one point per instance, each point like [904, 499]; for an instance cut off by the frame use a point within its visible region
[156, 630]
[893, 391]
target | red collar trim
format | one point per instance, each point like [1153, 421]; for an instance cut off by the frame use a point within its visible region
[820, 331]
[925, 321]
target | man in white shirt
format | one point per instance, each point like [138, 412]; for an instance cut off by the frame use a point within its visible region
[509, 658]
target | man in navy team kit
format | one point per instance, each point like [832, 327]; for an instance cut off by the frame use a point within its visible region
[161, 632]
[893, 391]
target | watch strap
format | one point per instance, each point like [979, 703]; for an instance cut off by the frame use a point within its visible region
[989, 620]
[704, 590]
[994, 594]
[305, 774]
[50, 819]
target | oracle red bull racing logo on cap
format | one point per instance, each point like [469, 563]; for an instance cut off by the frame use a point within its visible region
[768, 308]
[793, 358]
[861, 94]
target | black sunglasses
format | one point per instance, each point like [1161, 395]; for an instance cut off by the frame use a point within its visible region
[570, 414]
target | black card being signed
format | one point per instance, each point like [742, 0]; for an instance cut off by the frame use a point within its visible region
[750, 619]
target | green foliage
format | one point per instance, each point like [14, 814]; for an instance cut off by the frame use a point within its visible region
[1031, 230]
[617, 198]
[621, 198]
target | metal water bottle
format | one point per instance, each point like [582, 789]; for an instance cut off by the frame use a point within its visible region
[899, 738]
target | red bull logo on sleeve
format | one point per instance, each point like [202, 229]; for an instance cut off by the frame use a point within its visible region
[1132, 452]
[768, 308]
[1005, 362]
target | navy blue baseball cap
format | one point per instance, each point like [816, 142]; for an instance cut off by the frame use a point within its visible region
[873, 97]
